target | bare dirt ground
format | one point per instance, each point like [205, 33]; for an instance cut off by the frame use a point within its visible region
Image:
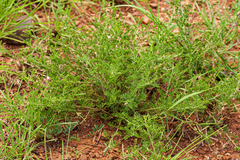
[92, 147]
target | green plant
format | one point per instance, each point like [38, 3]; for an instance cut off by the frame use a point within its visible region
[70, 126]
[78, 152]
[108, 68]
[11, 19]
[35, 112]
[17, 139]
[109, 145]
[74, 138]
[96, 129]
[54, 128]
[149, 131]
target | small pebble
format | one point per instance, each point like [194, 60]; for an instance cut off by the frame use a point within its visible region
[153, 5]
[146, 20]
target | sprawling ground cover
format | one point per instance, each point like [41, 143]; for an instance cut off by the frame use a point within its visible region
[156, 83]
